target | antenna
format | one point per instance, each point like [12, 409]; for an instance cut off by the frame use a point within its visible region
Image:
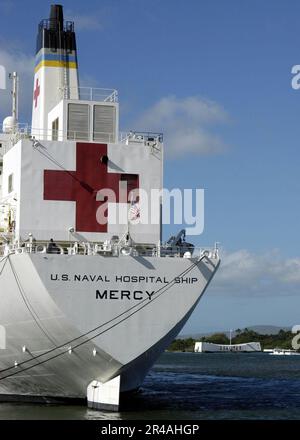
[15, 96]
[10, 122]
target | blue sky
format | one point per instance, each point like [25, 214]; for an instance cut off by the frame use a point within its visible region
[223, 71]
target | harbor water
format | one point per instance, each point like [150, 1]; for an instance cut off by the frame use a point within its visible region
[196, 386]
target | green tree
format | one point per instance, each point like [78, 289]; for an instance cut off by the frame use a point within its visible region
[217, 338]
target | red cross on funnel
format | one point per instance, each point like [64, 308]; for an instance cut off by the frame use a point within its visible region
[36, 92]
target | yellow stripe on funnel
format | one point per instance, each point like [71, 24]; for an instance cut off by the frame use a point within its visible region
[67, 64]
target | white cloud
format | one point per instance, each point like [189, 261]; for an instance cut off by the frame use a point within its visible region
[84, 22]
[14, 60]
[245, 273]
[187, 124]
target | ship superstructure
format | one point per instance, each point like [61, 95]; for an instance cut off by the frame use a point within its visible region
[90, 294]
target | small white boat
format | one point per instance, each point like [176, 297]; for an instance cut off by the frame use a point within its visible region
[283, 352]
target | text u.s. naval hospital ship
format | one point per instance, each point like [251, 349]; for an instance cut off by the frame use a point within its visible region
[86, 305]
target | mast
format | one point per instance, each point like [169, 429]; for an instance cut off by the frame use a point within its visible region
[15, 98]
[10, 123]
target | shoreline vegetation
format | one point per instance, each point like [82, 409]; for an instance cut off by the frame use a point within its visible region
[282, 339]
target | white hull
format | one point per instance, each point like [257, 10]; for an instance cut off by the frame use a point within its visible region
[65, 327]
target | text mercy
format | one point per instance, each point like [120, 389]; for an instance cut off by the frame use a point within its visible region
[137, 295]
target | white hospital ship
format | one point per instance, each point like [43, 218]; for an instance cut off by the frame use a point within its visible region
[86, 306]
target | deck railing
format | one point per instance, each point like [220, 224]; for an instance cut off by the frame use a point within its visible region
[89, 94]
[107, 248]
[49, 23]
[25, 131]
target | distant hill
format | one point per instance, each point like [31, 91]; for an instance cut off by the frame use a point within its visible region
[261, 329]
[268, 329]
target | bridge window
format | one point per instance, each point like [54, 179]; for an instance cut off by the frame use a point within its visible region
[55, 125]
[10, 183]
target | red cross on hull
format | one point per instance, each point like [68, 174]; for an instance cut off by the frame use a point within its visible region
[82, 185]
